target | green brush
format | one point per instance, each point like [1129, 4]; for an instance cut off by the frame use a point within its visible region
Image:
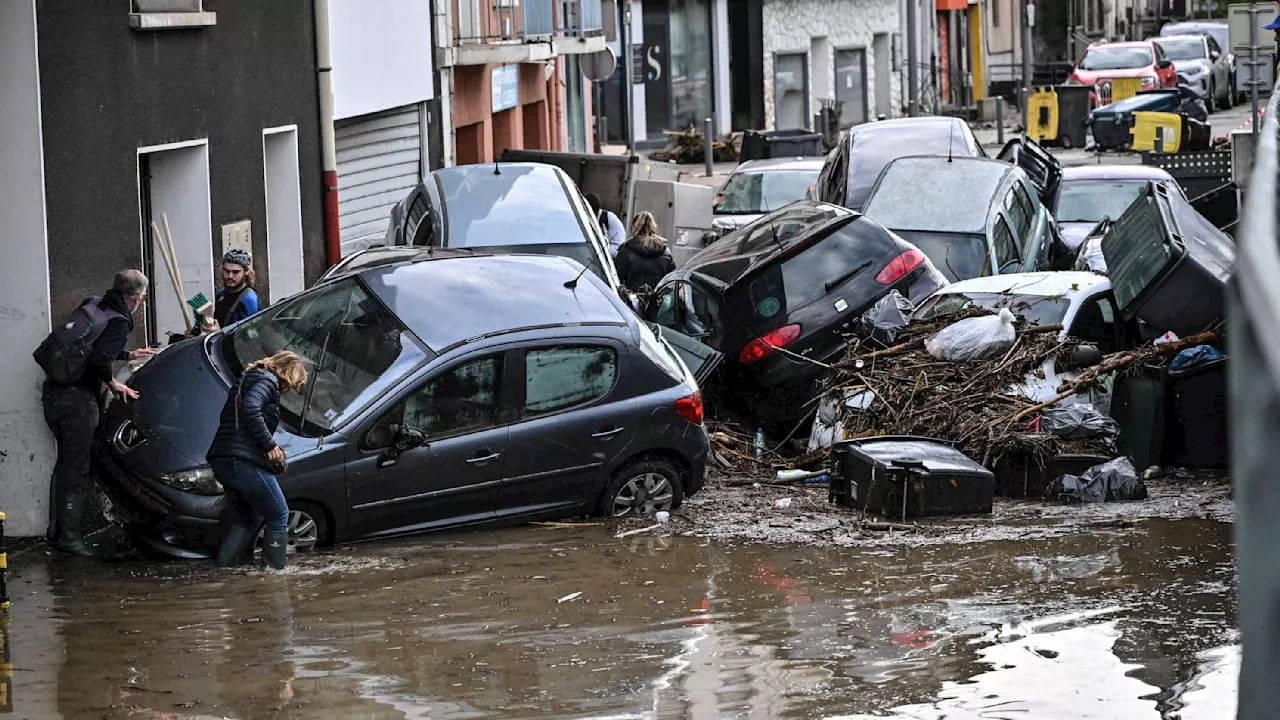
[200, 304]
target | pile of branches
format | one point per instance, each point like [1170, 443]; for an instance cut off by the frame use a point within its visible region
[688, 147]
[970, 404]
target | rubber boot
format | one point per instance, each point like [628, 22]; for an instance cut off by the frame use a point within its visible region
[69, 539]
[275, 543]
[234, 544]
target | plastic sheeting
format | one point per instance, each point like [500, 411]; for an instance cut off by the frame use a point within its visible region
[1116, 481]
[974, 339]
[883, 321]
[1078, 422]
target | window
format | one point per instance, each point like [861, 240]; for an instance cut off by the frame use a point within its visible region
[1096, 323]
[1020, 211]
[664, 307]
[851, 86]
[353, 346]
[995, 12]
[562, 377]
[763, 192]
[1006, 249]
[791, 91]
[417, 211]
[847, 252]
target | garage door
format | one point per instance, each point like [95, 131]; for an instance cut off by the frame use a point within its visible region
[379, 162]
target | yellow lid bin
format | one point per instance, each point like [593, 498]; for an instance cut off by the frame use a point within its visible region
[1042, 115]
[1147, 124]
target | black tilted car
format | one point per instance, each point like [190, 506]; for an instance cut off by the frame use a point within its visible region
[785, 290]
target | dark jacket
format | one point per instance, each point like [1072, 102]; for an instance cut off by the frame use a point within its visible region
[111, 344]
[639, 265]
[247, 434]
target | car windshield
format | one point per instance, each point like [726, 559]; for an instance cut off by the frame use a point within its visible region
[835, 260]
[758, 192]
[1092, 200]
[958, 256]
[1116, 58]
[519, 205]
[1035, 309]
[1189, 48]
[354, 348]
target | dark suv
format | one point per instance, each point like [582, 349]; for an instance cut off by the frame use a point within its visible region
[443, 392]
[786, 289]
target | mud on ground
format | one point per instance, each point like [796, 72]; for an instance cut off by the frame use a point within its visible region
[745, 509]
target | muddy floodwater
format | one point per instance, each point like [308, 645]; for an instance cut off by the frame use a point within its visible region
[572, 622]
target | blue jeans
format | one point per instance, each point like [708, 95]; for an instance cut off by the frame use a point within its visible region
[253, 492]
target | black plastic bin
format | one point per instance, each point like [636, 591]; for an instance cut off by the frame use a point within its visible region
[765, 144]
[1169, 266]
[1073, 115]
[1198, 416]
[1023, 477]
[1138, 405]
[903, 477]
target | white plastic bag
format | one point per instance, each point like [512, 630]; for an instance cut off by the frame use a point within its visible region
[974, 339]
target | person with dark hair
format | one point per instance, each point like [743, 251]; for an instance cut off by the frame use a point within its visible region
[77, 360]
[609, 223]
[644, 259]
[237, 299]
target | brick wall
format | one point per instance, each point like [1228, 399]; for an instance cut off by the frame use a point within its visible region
[793, 25]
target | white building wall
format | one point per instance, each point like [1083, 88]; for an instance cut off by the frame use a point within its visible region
[26, 445]
[381, 53]
[790, 26]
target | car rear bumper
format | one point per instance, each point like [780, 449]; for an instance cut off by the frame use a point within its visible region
[172, 522]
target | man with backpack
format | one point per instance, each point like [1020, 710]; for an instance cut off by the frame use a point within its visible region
[610, 225]
[77, 358]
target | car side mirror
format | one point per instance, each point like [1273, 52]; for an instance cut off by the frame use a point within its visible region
[404, 438]
[1082, 356]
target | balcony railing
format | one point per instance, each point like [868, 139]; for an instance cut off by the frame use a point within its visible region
[494, 21]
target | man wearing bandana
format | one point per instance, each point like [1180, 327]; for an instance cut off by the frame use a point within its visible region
[237, 299]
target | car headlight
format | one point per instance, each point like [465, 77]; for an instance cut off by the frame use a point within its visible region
[198, 480]
[1148, 81]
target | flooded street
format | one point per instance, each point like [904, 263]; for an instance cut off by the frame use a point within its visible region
[546, 622]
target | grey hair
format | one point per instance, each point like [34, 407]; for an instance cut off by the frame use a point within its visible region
[131, 283]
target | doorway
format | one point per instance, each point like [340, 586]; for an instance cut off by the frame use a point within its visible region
[746, 64]
[284, 211]
[173, 184]
[882, 55]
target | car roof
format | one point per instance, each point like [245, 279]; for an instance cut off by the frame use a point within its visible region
[1122, 45]
[1071, 284]
[881, 125]
[453, 300]
[791, 163]
[960, 189]
[1115, 172]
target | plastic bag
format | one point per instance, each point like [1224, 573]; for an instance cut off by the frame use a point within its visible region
[1194, 356]
[883, 321]
[974, 339]
[1116, 481]
[1078, 422]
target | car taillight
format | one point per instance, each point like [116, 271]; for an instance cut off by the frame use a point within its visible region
[900, 266]
[690, 408]
[766, 343]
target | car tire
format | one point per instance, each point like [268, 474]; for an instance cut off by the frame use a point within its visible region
[308, 528]
[633, 488]
[1211, 99]
[1231, 98]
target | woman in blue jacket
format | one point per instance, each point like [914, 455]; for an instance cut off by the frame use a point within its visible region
[245, 458]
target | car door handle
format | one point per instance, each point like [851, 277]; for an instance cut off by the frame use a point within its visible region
[480, 459]
[605, 434]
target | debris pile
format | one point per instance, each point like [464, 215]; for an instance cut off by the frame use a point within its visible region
[689, 146]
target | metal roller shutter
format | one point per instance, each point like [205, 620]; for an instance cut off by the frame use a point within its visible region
[379, 161]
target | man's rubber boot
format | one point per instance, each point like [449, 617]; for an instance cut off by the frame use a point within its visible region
[274, 546]
[233, 546]
[70, 515]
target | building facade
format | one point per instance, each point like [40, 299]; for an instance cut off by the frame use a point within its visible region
[384, 110]
[117, 115]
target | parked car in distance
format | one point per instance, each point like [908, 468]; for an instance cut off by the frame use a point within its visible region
[758, 187]
[850, 170]
[772, 300]
[443, 392]
[1089, 193]
[1219, 31]
[1081, 302]
[1202, 65]
[970, 216]
[1104, 62]
[523, 207]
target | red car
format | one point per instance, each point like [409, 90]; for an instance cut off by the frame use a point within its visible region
[1103, 62]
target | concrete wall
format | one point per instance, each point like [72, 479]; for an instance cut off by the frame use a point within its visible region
[792, 25]
[26, 447]
[108, 90]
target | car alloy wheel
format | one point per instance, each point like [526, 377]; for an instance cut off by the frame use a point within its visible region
[643, 494]
[304, 532]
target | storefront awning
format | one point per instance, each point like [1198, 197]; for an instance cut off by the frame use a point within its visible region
[952, 5]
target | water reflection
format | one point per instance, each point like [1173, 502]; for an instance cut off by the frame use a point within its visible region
[571, 622]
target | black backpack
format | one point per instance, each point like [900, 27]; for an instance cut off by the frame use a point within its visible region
[65, 353]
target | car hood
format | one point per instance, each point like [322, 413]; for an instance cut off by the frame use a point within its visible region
[1191, 66]
[180, 396]
[1089, 77]
[1074, 233]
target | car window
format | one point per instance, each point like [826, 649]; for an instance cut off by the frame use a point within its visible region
[561, 377]
[1213, 45]
[1035, 309]
[758, 192]
[1183, 48]
[520, 205]
[1017, 208]
[417, 212]
[850, 250]
[1096, 323]
[1092, 200]
[1004, 245]
[664, 307]
[464, 398]
[1113, 58]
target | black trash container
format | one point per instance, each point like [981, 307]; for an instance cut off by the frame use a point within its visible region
[1073, 115]
[903, 477]
[1138, 407]
[766, 144]
[1198, 416]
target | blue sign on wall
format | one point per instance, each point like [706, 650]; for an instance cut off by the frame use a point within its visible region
[505, 87]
